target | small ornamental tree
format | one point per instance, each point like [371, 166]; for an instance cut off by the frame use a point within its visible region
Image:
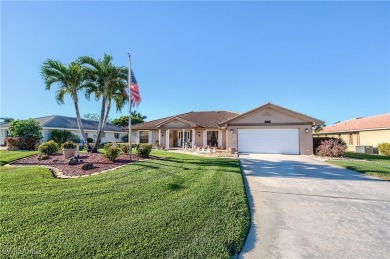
[26, 134]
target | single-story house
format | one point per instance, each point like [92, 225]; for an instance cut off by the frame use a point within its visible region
[266, 129]
[111, 132]
[361, 131]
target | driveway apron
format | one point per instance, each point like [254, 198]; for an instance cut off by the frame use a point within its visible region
[304, 208]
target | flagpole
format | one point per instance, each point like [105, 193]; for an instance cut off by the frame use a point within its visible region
[129, 79]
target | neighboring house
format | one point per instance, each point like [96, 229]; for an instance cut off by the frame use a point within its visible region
[362, 131]
[266, 129]
[111, 132]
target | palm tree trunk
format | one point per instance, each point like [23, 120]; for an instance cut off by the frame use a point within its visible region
[100, 127]
[79, 122]
[105, 117]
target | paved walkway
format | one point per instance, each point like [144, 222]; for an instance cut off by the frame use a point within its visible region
[303, 208]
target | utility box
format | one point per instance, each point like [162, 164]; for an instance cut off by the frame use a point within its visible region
[365, 149]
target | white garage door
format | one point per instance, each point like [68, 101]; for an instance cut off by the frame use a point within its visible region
[268, 141]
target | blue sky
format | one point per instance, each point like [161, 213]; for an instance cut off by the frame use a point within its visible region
[329, 60]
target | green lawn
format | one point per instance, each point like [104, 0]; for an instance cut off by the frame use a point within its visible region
[373, 165]
[179, 206]
[9, 156]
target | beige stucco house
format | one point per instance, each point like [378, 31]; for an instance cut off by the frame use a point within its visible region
[361, 131]
[48, 123]
[266, 129]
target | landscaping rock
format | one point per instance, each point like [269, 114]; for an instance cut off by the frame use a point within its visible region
[43, 157]
[73, 161]
[87, 166]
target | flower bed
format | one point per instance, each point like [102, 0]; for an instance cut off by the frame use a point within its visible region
[60, 164]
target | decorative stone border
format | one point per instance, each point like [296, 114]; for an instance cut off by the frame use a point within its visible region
[57, 173]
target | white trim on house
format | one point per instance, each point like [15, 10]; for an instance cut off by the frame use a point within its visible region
[167, 138]
[219, 138]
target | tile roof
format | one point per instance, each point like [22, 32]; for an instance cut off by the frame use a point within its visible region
[279, 108]
[204, 119]
[363, 123]
[63, 122]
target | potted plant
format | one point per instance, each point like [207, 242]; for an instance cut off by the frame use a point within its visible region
[69, 149]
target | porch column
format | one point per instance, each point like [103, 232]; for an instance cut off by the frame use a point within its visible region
[167, 138]
[182, 139]
[193, 138]
[159, 137]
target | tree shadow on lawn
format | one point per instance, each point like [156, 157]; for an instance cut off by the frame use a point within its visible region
[207, 162]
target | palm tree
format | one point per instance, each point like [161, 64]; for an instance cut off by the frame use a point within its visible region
[107, 80]
[70, 80]
[137, 117]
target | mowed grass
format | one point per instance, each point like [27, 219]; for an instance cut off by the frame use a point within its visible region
[179, 206]
[9, 156]
[373, 165]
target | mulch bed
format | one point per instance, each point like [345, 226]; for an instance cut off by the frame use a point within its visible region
[60, 164]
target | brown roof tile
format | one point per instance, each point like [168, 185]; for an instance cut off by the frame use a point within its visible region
[365, 123]
[205, 119]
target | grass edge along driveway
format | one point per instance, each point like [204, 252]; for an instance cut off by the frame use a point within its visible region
[178, 206]
[371, 165]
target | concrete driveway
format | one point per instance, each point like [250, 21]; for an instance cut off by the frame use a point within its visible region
[304, 208]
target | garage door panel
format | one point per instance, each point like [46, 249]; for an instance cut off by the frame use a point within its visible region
[269, 141]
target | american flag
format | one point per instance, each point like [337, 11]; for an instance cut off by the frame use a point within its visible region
[133, 87]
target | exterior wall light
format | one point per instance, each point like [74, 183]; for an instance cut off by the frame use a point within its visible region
[162, 134]
[307, 130]
[198, 133]
[231, 130]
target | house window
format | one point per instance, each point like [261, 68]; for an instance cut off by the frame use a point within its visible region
[144, 136]
[212, 138]
[350, 141]
[86, 135]
[116, 135]
[267, 121]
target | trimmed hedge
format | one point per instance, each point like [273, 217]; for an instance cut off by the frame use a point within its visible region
[144, 150]
[18, 143]
[48, 148]
[112, 152]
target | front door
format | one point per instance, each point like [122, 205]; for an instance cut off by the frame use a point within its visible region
[186, 138]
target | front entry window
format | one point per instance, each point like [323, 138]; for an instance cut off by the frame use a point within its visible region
[212, 138]
[144, 136]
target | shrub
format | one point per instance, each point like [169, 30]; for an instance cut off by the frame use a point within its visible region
[18, 143]
[48, 148]
[125, 138]
[331, 147]
[25, 129]
[144, 150]
[12, 143]
[124, 147]
[318, 141]
[111, 151]
[90, 140]
[25, 134]
[384, 149]
[61, 136]
[68, 145]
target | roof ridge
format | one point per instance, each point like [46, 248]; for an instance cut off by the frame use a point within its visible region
[360, 118]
